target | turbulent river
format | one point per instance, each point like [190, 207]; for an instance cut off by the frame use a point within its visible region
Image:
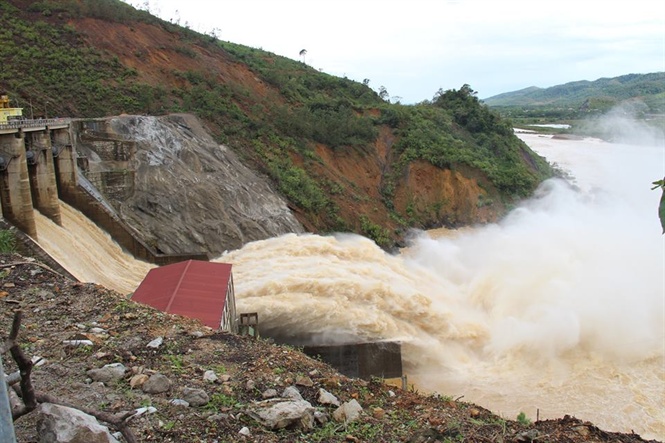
[558, 308]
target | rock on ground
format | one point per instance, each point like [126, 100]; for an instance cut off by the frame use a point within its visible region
[280, 414]
[60, 424]
[348, 412]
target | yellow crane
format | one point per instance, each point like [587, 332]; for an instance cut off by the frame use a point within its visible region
[7, 113]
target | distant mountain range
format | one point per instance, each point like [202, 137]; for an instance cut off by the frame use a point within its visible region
[645, 92]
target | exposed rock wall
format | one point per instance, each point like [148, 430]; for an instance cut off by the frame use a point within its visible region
[180, 189]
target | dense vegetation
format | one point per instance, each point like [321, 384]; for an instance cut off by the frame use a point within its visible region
[49, 70]
[643, 94]
[51, 67]
[456, 129]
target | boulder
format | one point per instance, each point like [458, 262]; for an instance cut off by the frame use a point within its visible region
[326, 398]
[156, 384]
[292, 392]
[218, 417]
[195, 397]
[278, 414]
[378, 413]
[269, 393]
[60, 424]
[304, 381]
[156, 343]
[179, 402]
[348, 412]
[321, 417]
[107, 373]
[138, 380]
[210, 376]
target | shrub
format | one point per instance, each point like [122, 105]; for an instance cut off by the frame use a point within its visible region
[523, 419]
[371, 230]
[301, 189]
[7, 241]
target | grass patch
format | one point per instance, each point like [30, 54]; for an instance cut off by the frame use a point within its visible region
[523, 419]
[7, 241]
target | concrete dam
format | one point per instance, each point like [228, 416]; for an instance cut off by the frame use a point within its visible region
[39, 166]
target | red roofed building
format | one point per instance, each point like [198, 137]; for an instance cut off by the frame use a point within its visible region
[193, 288]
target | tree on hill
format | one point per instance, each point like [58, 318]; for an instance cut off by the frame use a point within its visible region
[468, 112]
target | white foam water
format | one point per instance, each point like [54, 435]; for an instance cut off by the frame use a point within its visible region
[557, 309]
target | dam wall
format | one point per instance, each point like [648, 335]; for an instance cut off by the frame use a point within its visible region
[27, 170]
[39, 166]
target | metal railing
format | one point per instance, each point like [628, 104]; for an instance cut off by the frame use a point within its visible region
[28, 123]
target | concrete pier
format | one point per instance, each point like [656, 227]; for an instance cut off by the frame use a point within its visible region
[15, 192]
[36, 161]
[38, 168]
[39, 157]
[64, 158]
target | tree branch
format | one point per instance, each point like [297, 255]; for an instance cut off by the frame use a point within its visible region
[16, 326]
[13, 334]
[25, 369]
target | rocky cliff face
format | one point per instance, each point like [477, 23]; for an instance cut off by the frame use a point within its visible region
[179, 189]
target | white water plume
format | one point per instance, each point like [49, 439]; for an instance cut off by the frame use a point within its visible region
[625, 123]
[558, 307]
[564, 271]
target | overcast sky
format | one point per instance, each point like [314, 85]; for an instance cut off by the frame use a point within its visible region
[415, 47]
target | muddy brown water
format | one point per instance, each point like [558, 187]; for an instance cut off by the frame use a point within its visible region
[557, 309]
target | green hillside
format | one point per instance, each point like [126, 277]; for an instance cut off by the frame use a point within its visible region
[643, 93]
[93, 58]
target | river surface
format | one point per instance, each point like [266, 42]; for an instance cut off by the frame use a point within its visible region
[559, 308]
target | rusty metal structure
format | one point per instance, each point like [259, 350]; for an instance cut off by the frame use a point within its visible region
[249, 324]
